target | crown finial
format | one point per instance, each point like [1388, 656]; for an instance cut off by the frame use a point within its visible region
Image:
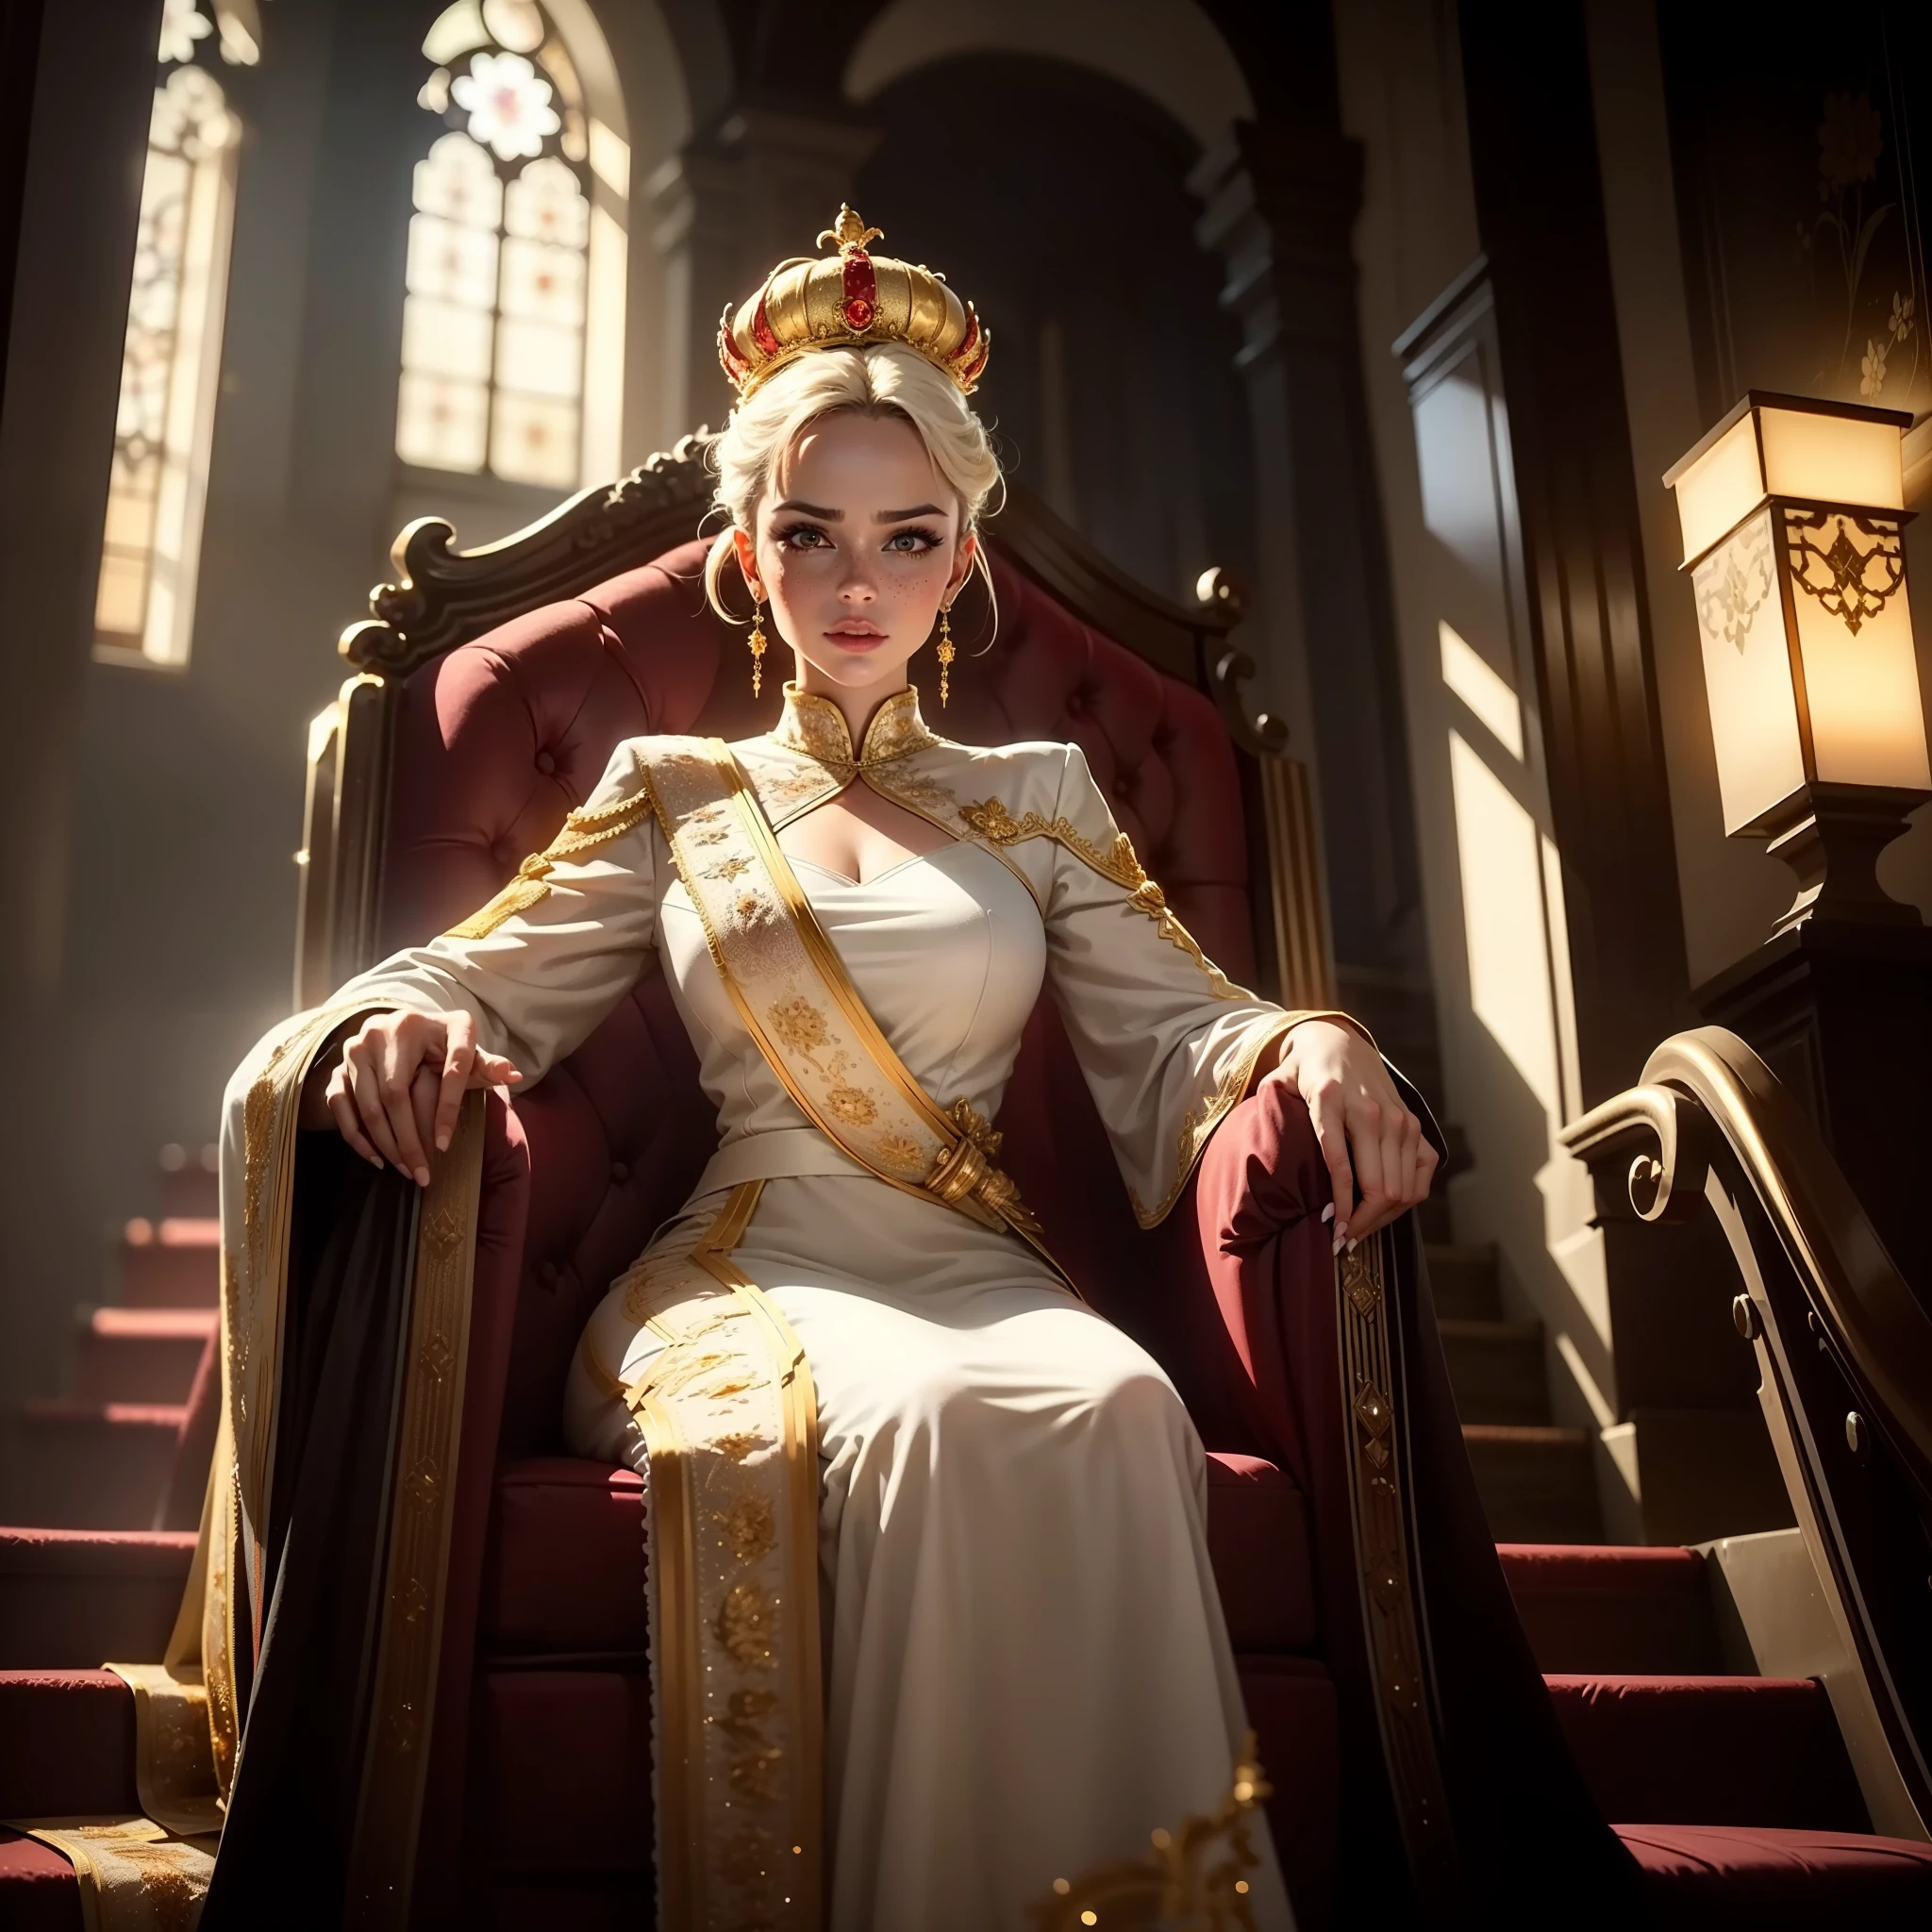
[849, 232]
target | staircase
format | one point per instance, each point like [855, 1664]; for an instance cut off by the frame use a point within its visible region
[1536, 1480]
[1730, 1784]
[105, 1455]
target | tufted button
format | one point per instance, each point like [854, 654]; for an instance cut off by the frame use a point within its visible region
[545, 763]
[1122, 786]
[620, 1172]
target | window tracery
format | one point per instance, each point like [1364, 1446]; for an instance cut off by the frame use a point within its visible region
[170, 357]
[515, 256]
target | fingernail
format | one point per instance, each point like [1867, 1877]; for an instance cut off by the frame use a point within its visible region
[375, 1160]
[1351, 1247]
[443, 1143]
[1337, 1248]
[422, 1176]
[1328, 1212]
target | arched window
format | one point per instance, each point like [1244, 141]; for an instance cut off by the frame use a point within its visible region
[513, 323]
[170, 361]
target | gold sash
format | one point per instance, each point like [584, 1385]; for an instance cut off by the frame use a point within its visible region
[799, 1005]
[728, 1417]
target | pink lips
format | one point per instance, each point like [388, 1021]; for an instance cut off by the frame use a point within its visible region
[856, 637]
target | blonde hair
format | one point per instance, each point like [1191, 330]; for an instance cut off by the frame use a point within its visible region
[881, 379]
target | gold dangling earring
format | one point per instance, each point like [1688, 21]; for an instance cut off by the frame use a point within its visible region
[755, 642]
[945, 653]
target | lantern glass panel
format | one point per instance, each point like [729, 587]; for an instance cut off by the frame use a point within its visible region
[1832, 458]
[1720, 489]
[1862, 686]
[1747, 673]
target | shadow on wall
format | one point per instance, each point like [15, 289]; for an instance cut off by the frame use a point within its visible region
[1112, 389]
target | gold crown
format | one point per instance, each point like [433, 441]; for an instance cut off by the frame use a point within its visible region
[845, 299]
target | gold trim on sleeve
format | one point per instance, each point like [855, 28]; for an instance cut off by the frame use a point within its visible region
[1198, 1124]
[994, 823]
[584, 831]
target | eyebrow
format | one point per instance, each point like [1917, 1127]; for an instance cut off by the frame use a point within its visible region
[838, 516]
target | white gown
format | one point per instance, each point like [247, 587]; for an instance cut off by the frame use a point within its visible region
[1027, 1667]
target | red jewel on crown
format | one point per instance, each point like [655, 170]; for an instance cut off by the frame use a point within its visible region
[861, 290]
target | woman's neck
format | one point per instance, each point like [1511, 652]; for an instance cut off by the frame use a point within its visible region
[857, 702]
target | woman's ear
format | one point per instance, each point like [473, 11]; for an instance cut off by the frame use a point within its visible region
[962, 563]
[746, 546]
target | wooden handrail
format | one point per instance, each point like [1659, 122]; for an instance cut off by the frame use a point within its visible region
[1845, 1349]
[1868, 1309]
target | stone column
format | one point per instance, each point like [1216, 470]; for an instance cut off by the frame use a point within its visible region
[1280, 204]
[753, 188]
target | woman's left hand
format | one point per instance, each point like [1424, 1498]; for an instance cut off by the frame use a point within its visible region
[1367, 1138]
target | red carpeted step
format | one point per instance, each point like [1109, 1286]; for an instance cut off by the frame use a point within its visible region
[66, 1744]
[93, 1465]
[37, 1888]
[173, 1264]
[1709, 1879]
[1614, 1610]
[143, 1354]
[71, 1598]
[1710, 1751]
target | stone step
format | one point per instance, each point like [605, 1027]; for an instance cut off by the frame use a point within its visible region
[141, 1355]
[1713, 1751]
[174, 1263]
[1462, 1278]
[1538, 1484]
[70, 1599]
[1615, 1609]
[1496, 1369]
[91, 1465]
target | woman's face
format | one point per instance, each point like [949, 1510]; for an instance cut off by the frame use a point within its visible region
[857, 548]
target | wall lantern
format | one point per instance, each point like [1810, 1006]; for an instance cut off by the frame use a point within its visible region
[1793, 512]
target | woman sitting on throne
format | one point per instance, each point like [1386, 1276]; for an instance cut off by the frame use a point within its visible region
[932, 1623]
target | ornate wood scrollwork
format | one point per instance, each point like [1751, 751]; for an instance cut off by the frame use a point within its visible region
[1839, 1336]
[441, 596]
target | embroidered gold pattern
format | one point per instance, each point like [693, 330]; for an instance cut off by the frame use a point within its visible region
[799, 1024]
[583, 830]
[990, 819]
[817, 727]
[1197, 1125]
[733, 1568]
[1192, 1875]
[744, 1624]
[901, 1156]
[749, 1528]
[852, 1105]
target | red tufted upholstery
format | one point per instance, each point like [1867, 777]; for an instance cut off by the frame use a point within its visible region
[542, 1659]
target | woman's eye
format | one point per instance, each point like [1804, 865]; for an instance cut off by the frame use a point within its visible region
[805, 537]
[912, 542]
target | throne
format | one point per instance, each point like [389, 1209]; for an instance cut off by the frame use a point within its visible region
[490, 687]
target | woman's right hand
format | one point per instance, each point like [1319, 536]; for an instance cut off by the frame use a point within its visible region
[397, 1084]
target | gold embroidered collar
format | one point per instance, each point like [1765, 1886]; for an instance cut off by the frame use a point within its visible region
[816, 727]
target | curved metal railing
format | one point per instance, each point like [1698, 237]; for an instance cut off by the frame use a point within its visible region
[1844, 1350]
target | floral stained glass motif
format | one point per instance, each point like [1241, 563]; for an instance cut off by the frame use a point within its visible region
[170, 360]
[493, 322]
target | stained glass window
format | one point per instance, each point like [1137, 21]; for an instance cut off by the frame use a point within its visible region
[504, 259]
[170, 360]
